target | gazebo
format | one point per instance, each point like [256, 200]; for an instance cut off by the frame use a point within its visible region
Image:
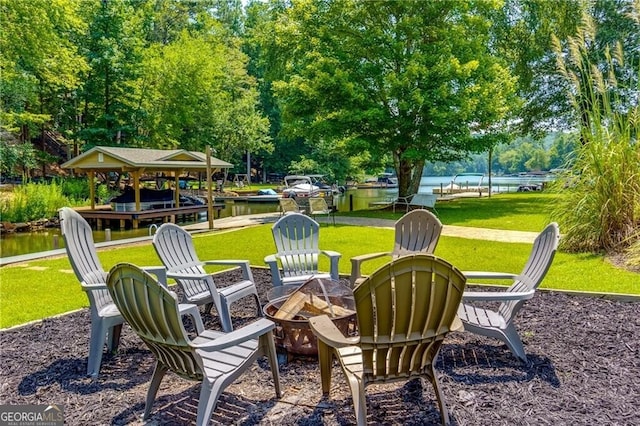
[136, 162]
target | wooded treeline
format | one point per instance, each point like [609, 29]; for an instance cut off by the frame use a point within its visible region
[341, 87]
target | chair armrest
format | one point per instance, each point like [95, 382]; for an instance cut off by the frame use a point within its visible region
[241, 335]
[331, 253]
[91, 287]
[368, 256]
[159, 271]
[326, 330]
[356, 263]
[272, 261]
[470, 296]
[243, 264]
[482, 275]
[334, 258]
[186, 276]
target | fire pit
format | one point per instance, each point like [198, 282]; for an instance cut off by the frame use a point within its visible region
[315, 297]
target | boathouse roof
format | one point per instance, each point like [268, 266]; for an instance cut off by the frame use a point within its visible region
[108, 158]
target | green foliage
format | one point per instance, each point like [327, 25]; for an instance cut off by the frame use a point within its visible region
[199, 94]
[77, 190]
[407, 81]
[600, 209]
[32, 201]
[40, 61]
[17, 158]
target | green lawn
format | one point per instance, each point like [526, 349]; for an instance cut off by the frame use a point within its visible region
[48, 287]
[520, 211]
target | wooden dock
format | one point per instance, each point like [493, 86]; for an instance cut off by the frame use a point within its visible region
[103, 217]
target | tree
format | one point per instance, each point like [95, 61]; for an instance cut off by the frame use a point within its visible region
[20, 156]
[266, 64]
[198, 93]
[113, 47]
[407, 80]
[40, 63]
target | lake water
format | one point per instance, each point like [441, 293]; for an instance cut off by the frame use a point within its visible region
[353, 199]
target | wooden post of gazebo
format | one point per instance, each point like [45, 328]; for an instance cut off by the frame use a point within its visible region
[92, 189]
[209, 191]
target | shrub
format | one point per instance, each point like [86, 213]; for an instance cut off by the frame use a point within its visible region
[600, 209]
[32, 201]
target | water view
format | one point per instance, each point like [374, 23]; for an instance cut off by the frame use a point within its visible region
[14, 244]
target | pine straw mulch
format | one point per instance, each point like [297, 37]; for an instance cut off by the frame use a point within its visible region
[583, 368]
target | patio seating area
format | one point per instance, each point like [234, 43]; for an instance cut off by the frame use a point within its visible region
[407, 306]
[586, 377]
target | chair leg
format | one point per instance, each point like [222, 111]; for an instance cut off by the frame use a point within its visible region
[444, 413]
[194, 312]
[359, 398]
[512, 339]
[225, 316]
[209, 394]
[268, 342]
[260, 313]
[325, 354]
[113, 337]
[96, 346]
[158, 374]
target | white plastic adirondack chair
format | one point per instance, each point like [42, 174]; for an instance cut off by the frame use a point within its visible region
[106, 321]
[500, 324]
[405, 310]
[318, 205]
[403, 201]
[289, 205]
[296, 260]
[416, 232]
[212, 357]
[423, 201]
[175, 248]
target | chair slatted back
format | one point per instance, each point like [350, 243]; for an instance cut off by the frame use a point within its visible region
[296, 239]
[417, 232]
[318, 205]
[152, 312]
[405, 309]
[542, 254]
[175, 248]
[288, 205]
[81, 251]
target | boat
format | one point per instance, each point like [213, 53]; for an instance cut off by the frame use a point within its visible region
[299, 186]
[318, 180]
[151, 199]
[383, 180]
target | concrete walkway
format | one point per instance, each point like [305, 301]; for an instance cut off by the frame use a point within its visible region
[448, 230]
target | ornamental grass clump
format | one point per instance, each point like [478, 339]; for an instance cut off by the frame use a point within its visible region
[600, 206]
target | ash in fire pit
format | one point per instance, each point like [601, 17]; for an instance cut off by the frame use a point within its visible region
[315, 297]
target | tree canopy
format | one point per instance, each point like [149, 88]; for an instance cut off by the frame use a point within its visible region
[408, 81]
[340, 86]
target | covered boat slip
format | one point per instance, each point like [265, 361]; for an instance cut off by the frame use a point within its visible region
[136, 162]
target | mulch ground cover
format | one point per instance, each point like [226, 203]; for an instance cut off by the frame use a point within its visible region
[583, 369]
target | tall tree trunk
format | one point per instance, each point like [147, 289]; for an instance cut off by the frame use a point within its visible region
[409, 175]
